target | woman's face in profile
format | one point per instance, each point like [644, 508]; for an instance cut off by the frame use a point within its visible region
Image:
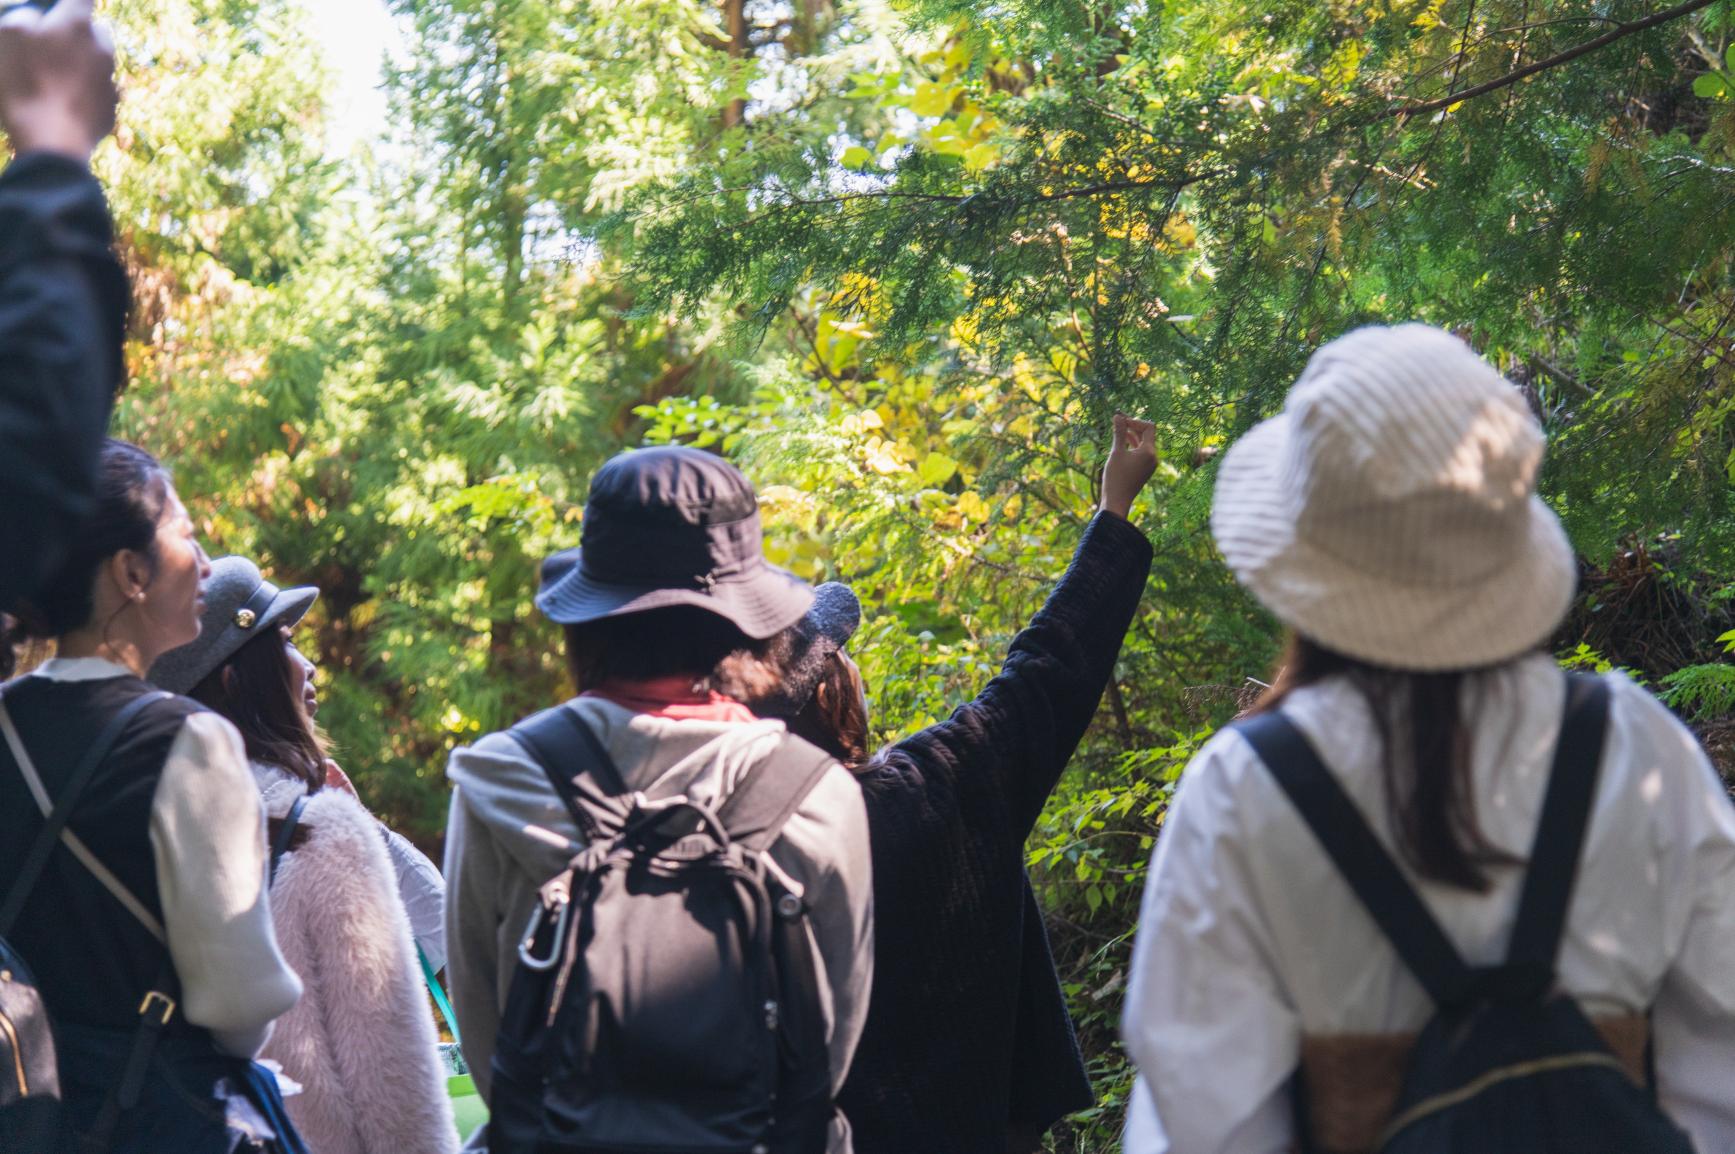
[173, 603]
[301, 672]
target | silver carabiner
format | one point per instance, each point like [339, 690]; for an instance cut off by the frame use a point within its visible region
[526, 948]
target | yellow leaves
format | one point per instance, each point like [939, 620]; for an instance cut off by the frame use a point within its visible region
[972, 506]
[1119, 222]
[1429, 17]
[800, 553]
[857, 424]
[981, 156]
[1344, 65]
[883, 457]
[937, 468]
[967, 327]
[836, 342]
[785, 499]
[933, 98]
[857, 295]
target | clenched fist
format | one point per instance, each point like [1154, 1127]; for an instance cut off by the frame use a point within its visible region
[57, 91]
[1131, 462]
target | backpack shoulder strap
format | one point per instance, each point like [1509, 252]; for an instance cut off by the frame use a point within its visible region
[57, 815]
[580, 769]
[1364, 863]
[763, 801]
[286, 835]
[1554, 855]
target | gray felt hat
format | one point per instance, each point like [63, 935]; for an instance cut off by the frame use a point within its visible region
[672, 526]
[827, 627]
[239, 606]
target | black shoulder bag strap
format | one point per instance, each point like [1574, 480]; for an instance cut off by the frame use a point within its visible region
[158, 1004]
[1364, 863]
[55, 822]
[286, 834]
[768, 795]
[755, 813]
[1554, 855]
[579, 768]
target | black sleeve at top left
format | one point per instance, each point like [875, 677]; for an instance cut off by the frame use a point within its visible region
[63, 305]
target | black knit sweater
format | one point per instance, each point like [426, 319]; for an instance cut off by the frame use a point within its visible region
[968, 1037]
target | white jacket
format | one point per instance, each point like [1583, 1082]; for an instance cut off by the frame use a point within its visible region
[361, 1043]
[1249, 938]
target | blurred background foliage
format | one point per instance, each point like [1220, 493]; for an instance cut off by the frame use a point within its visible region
[901, 261]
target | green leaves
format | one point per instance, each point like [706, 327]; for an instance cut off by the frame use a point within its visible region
[937, 468]
[1718, 84]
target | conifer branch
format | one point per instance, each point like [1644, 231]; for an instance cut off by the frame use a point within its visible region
[1619, 32]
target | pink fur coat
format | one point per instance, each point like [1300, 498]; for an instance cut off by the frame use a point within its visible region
[361, 1041]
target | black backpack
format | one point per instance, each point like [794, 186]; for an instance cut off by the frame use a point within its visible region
[29, 1071]
[1508, 1062]
[666, 997]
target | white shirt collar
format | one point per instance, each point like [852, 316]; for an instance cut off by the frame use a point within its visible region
[80, 669]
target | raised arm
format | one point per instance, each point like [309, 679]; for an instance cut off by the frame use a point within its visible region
[1017, 736]
[63, 296]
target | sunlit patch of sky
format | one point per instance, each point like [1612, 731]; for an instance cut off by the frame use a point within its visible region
[355, 35]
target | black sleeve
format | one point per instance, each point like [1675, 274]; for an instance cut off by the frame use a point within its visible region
[1017, 736]
[63, 301]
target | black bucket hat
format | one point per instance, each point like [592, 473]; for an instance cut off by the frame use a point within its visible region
[672, 526]
[239, 606]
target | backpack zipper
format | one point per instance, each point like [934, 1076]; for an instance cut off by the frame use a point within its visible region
[17, 1057]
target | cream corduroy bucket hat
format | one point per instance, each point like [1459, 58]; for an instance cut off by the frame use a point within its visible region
[1390, 511]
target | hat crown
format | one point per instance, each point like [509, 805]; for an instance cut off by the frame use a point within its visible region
[669, 516]
[672, 483]
[1411, 458]
[671, 526]
[232, 582]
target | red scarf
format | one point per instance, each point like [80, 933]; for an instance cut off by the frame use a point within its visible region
[672, 698]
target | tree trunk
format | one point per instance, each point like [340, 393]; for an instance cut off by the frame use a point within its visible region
[735, 25]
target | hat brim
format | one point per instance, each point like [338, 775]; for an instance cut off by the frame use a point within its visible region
[182, 669]
[288, 609]
[1412, 627]
[761, 603]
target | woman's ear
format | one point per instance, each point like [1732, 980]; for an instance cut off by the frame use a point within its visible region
[131, 572]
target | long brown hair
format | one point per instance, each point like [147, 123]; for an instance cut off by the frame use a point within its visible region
[255, 691]
[1428, 794]
[835, 716]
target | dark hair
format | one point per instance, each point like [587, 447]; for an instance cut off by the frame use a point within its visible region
[132, 489]
[835, 716]
[680, 641]
[254, 690]
[1428, 794]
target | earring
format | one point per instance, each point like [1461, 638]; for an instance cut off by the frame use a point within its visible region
[139, 596]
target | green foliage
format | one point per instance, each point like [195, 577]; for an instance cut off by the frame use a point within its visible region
[1702, 692]
[901, 263]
